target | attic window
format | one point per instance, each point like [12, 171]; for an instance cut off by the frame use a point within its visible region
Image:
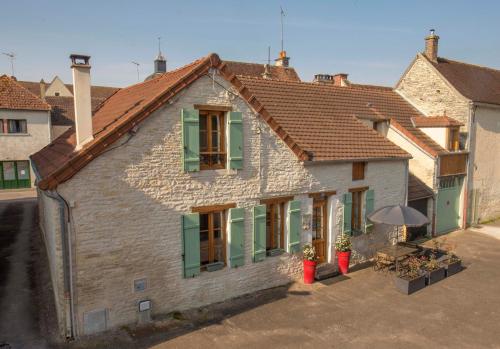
[212, 140]
[57, 94]
[358, 171]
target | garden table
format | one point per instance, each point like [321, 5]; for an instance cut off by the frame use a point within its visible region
[396, 253]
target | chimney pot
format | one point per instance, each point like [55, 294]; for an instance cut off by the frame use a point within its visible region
[80, 65]
[431, 46]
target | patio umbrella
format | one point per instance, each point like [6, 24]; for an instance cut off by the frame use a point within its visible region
[399, 215]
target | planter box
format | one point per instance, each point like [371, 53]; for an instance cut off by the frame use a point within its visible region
[434, 276]
[409, 286]
[453, 268]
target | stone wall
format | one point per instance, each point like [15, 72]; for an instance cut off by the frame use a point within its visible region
[427, 91]
[127, 207]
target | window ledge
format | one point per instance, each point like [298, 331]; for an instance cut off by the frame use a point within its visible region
[275, 252]
[211, 173]
[15, 134]
[215, 266]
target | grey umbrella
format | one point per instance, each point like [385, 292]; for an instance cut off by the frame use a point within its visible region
[399, 215]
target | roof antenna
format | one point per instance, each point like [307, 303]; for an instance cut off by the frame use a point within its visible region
[159, 46]
[269, 55]
[282, 14]
[137, 66]
[11, 56]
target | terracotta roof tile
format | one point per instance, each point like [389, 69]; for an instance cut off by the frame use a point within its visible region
[256, 70]
[101, 92]
[479, 84]
[15, 96]
[418, 189]
[435, 121]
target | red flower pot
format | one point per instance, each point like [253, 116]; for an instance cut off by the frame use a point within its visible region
[343, 260]
[309, 271]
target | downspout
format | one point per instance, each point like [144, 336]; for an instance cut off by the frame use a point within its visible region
[66, 254]
[407, 175]
[470, 168]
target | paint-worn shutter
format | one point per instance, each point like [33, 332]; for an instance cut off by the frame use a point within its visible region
[237, 227]
[369, 206]
[347, 213]
[191, 244]
[294, 219]
[235, 120]
[190, 139]
[259, 233]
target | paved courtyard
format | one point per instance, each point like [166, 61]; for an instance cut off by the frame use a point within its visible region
[362, 310]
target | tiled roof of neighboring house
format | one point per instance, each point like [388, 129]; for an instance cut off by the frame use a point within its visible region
[15, 96]
[63, 109]
[418, 189]
[435, 121]
[320, 118]
[256, 70]
[479, 84]
[102, 92]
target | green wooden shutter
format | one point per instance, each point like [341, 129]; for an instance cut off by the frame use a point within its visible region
[190, 140]
[191, 244]
[237, 227]
[369, 205]
[235, 140]
[347, 213]
[259, 233]
[294, 218]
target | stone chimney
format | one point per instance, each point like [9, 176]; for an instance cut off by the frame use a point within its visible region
[42, 90]
[81, 95]
[431, 46]
[282, 60]
[340, 79]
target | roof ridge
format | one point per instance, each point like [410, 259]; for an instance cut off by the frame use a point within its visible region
[470, 64]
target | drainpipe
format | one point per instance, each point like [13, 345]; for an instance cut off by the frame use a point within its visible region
[66, 254]
[470, 166]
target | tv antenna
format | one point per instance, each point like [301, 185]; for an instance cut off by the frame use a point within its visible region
[11, 56]
[282, 14]
[269, 55]
[137, 67]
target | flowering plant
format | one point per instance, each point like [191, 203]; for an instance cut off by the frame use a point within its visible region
[343, 243]
[309, 253]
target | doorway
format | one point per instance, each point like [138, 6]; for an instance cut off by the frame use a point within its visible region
[319, 229]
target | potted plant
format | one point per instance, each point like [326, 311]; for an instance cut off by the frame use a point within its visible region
[309, 256]
[452, 264]
[411, 278]
[434, 272]
[343, 249]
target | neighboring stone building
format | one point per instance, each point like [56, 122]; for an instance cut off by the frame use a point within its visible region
[469, 94]
[200, 185]
[24, 129]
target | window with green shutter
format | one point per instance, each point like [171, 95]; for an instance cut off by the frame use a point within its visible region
[235, 120]
[259, 233]
[191, 244]
[237, 228]
[369, 206]
[294, 219]
[347, 200]
[190, 140]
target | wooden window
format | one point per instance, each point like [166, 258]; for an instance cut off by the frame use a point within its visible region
[212, 238]
[453, 139]
[212, 140]
[357, 208]
[319, 228]
[17, 126]
[275, 225]
[358, 171]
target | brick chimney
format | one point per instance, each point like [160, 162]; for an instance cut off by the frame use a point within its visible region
[81, 95]
[340, 79]
[431, 46]
[282, 60]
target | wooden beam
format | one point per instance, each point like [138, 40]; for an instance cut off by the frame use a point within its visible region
[213, 107]
[353, 190]
[319, 195]
[276, 200]
[212, 208]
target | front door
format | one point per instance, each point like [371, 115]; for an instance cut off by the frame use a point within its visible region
[319, 229]
[448, 205]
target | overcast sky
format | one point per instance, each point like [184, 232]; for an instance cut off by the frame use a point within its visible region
[372, 41]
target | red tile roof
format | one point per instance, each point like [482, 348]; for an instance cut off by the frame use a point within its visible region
[101, 92]
[15, 96]
[321, 119]
[418, 189]
[63, 109]
[256, 70]
[435, 121]
[479, 84]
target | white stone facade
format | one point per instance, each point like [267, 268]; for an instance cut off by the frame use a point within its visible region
[127, 206]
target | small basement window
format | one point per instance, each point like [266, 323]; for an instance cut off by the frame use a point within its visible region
[358, 171]
[212, 140]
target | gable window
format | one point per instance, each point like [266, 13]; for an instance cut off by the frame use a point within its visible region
[358, 171]
[453, 139]
[212, 238]
[17, 126]
[212, 140]
[357, 208]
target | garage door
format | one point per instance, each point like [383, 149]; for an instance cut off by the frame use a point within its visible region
[15, 174]
[448, 205]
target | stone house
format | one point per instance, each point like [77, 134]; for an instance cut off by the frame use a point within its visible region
[200, 185]
[462, 104]
[24, 129]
